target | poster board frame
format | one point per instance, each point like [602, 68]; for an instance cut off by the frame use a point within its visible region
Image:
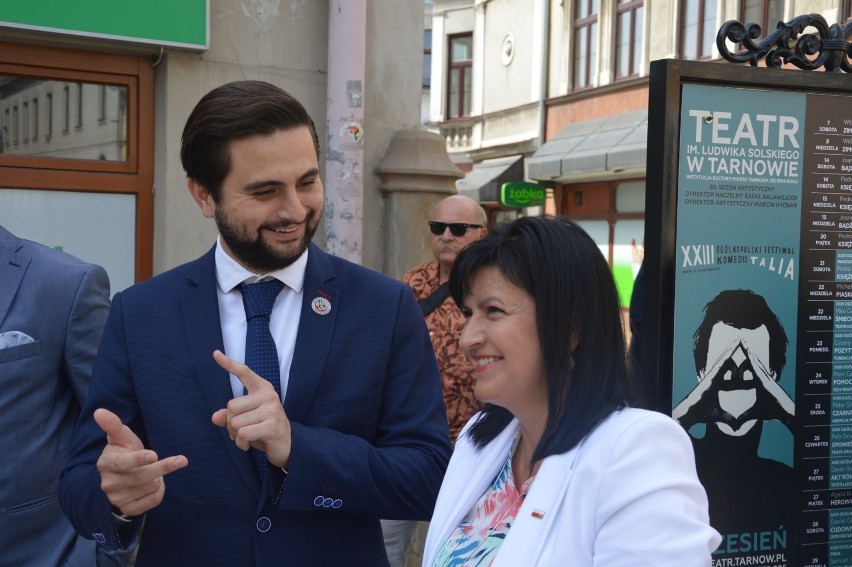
[666, 87]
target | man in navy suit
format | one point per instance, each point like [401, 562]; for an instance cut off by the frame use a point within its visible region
[171, 426]
[52, 312]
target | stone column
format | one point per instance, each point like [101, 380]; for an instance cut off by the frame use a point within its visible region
[415, 174]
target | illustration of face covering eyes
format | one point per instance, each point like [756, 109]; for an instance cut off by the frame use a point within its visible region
[746, 389]
[736, 389]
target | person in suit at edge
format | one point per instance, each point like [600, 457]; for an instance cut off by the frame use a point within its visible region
[52, 312]
[168, 435]
[558, 468]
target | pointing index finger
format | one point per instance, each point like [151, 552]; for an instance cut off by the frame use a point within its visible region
[246, 375]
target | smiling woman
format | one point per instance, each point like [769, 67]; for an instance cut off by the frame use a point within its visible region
[558, 447]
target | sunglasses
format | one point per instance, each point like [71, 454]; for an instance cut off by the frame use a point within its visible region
[456, 228]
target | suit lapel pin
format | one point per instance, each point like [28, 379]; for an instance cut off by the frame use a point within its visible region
[538, 514]
[321, 305]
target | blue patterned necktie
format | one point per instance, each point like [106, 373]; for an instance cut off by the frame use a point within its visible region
[261, 352]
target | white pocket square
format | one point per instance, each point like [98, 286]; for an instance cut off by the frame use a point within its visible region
[14, 338]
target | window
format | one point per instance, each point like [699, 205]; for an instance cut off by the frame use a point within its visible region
[66, 102]
[35, 119]
[73, 174]
[79, 105]
[766, 13]
[427, 58]
[15, 125]
[25, 122]
[585, 42]
[629, 38]
[102, 104]
[613, 213]
[698, 28]
[847, 11]
[49, 102]
[459, 84]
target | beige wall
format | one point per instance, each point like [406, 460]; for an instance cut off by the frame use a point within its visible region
[511, 83]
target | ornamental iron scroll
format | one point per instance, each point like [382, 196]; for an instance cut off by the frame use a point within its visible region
[827, 47]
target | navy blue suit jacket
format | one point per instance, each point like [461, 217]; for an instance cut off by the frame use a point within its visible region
[369, 432]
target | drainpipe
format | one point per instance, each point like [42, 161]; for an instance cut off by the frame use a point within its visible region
[344, 161]
[545, 57]
[553, 201]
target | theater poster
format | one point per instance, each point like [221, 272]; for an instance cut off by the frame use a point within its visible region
[754, 276]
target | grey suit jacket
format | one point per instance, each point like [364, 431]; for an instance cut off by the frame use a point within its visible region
[61, 303]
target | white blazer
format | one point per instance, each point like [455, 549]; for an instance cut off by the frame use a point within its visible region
[627, 495]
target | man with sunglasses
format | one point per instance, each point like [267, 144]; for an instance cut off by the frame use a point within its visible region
[456, 221]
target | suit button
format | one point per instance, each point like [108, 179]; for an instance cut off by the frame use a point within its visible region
[337, 503]
[99, 537]
[263, 524]
[318, 501]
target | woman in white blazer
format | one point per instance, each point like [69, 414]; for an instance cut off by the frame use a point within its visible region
[558, 469]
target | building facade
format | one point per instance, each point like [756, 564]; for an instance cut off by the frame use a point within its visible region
[556, 92]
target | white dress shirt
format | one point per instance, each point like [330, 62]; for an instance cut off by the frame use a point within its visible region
[283, 322]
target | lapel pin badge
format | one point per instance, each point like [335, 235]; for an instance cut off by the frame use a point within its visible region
[321, 305]
[538, 514]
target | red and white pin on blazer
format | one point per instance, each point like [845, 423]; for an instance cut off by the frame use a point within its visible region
[322, 303]
[536, 513]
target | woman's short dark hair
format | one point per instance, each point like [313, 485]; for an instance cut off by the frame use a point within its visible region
[231, 112]
[562, 268]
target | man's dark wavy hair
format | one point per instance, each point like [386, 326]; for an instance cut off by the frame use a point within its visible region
[561, 267]
[231, 112]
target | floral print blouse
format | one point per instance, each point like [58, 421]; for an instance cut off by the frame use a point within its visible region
[477, 539]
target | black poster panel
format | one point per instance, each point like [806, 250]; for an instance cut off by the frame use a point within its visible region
[747, 335]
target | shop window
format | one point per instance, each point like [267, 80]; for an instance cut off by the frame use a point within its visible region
[70, 191]
[111, 142]
[613, 213]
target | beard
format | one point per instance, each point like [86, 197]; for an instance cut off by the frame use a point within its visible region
[254, 252]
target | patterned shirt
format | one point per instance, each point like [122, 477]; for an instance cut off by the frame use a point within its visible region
[477, 539]
[445, 324]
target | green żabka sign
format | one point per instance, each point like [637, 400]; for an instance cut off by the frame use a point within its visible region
[520, 194]
[182, 23]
